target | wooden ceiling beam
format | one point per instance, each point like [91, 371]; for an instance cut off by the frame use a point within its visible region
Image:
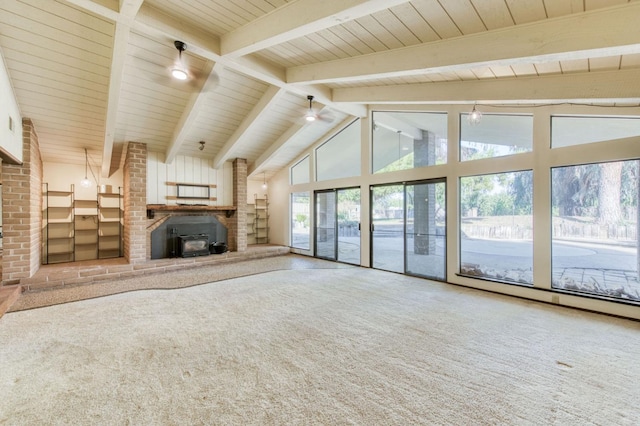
[190, 113]
[593, 87]
[297, 19]
[128, 11]
[593, 34]
[253, 119]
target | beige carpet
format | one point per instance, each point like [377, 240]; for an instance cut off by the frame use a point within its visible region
[325, 346]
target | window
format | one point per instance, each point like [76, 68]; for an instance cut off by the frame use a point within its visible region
[405, 140]
[339, 157]
[595, 229]
[495, 136]
[300, 231]
[496, 227]
[300, 172]
[568, 131]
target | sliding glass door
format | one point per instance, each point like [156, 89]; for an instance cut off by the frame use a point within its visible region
[387, 227]
[408, 228]
[337, 231]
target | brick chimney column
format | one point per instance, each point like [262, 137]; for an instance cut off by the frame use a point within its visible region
[22, 210]
[135, 203]
[237, 232]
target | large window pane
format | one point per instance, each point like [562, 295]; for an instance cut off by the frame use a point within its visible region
[496, 227]
[495, 136]
[339, 157]
[567, 131]
[300, 172]
[404, 140]
[300, 232]
[595, 229]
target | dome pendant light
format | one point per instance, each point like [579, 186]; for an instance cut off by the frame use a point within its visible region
[85, 183]
[179, 72]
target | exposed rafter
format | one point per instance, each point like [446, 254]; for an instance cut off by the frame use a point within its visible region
[296, 19]
[128, 11]
[604, 86]
[267, 101]
[190, 113]
[600, 33]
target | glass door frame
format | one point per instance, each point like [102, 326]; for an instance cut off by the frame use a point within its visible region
[336, 238]
[404, 185]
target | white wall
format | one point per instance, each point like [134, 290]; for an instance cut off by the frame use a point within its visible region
[187, 170]
[60, 177]
[10, 138]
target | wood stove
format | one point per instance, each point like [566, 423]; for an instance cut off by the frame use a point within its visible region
[193, 245]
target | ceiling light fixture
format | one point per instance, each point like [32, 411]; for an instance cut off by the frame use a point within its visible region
[264, 180]
[310, 116]
[179, 72]
[201, 147]
[474, 116]
[85, 183]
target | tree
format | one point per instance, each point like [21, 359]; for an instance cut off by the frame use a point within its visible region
[609, 190]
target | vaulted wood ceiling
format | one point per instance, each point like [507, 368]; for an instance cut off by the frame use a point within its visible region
[95, 73]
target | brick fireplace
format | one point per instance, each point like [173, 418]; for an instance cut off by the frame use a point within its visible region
[22, 199]
[169, 223]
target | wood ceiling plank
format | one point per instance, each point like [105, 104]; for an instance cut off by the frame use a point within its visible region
[396, 27]
[524, 11]
[602, 64]
[552, 67]
[494, 13]
[600, 4]
[350, 39]
[334, 46]
[414, 23]
[54, 49]
[464, 16]
[557, 8]
[574, 65]
[523, 70]
[379, 32]
[437, 18]
[630, 61]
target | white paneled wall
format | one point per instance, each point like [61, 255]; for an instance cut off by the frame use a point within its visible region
[187, 170]
[10, 120]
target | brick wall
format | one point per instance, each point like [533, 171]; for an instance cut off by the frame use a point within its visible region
[22, 211]
[135, 203]
[237, 225]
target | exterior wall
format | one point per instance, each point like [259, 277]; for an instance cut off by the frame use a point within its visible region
[22, 211]
[135, 203]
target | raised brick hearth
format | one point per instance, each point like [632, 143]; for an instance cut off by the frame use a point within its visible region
[22, 218]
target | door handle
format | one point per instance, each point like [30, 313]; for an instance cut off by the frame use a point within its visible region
[372, 227]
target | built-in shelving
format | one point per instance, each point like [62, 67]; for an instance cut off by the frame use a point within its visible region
[81, 229]
[58, 227]
[110, 225]
[258, 220]
[86, 229]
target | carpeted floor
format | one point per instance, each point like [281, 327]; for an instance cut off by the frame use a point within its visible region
[321, 346]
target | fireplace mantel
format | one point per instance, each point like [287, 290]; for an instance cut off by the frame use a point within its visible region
[151, 208]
